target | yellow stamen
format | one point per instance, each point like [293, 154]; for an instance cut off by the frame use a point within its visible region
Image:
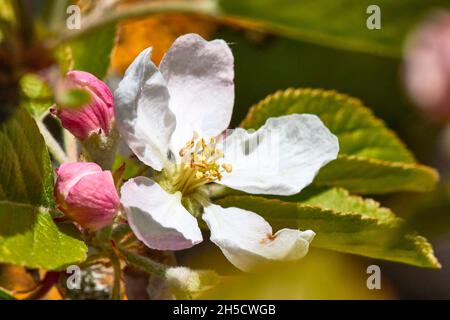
[228, 168]
[199, 175]
[199, 164]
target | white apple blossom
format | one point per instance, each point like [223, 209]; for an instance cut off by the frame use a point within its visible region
[172, 119]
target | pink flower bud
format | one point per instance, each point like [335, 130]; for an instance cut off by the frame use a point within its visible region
[95, 116]
[427, 66]
[86, 194]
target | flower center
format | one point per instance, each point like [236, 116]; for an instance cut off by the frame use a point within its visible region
[199, 165]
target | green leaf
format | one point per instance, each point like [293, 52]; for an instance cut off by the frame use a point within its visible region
[337, 23]
[5, 295]
[92, 52]
[371, 158]
[372, 176]
[342, 223]
[29, 237]
[359, 132]
[340, 200]
[36, 96]
[27, 174]
[132, 167]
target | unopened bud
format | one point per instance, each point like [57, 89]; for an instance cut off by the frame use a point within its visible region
[93, 115]
[86, 194]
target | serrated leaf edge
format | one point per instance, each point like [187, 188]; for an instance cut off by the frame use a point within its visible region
[299, 204]
[43, 210]
[431, 171]
[366, 201]
[396, 222]
[355, 102]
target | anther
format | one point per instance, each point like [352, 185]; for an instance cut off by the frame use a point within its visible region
[183, 152]
[227, 167]
[199, 175]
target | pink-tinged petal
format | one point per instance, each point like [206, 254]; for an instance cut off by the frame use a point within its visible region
[200, 79]
[158, 218]
[86, 194]
[93, 200]
[95, 116]
[142, 111]
[99, 88]
[247, 241]
[69, 173]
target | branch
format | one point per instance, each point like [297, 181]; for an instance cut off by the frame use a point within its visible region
[91, 23]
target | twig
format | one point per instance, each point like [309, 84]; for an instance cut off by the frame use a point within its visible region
[139, 10]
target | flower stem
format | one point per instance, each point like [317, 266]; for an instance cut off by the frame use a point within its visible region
[53, 145]
[120, 232]
[70, 144]
[143, 263]
[116, 290]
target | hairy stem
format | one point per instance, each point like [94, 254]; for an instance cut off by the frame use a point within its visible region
[70, 144]
[143, 263]
[116, 290]
[120, 232]
[53, 145]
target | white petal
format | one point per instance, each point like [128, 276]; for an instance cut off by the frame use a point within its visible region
[246, 239]
[158, 218]
[280, 158]
[141, 105]
[199, 76]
